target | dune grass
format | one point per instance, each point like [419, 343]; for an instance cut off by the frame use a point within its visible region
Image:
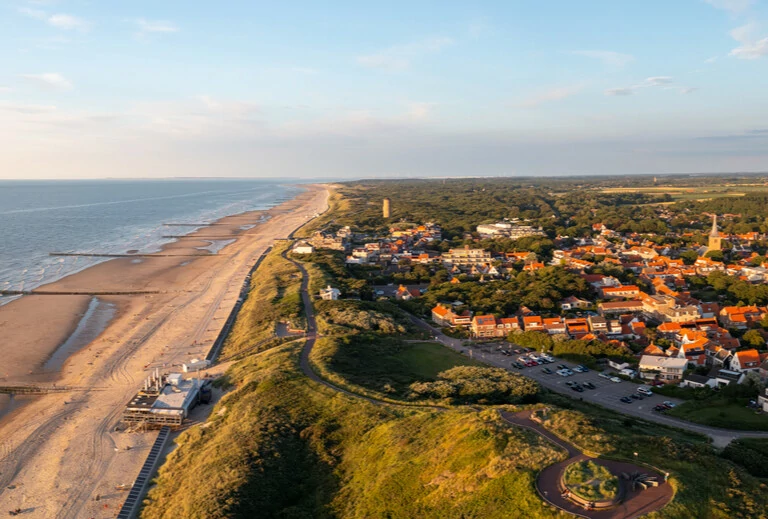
[274, 296]
[279, 445]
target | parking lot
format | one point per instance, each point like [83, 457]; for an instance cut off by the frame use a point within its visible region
[606, 393]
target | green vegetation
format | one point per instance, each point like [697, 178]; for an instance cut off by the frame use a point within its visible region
[750, 453]
[273, 297]
[584, 352]
[705, 484]
[722, 412]
[351, 316]
[476, 385]
[384, 365]
[590, 480]
[280, 446]
[538, 290]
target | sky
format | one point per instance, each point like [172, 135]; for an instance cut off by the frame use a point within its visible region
[350, 89]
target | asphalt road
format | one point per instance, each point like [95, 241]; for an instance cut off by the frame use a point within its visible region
[606, 394]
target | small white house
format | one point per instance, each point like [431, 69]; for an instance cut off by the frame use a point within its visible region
[303, 247]
[330, 293]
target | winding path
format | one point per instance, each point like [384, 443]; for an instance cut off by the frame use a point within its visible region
[635, 503]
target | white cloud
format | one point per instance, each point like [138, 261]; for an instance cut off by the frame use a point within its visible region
[5, 89]
[688, 90]
[732, 6]
[711, 60]
[658, 80]
[420, 111]
[552, 94]
[751, 47]
[68, 22]
[627, 91]
[399, 57]
[611, 58]
[155, 26]
[26, 109]
[49, 80]
[62, 21]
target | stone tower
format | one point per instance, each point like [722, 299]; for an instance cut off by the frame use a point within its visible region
[715, 240]
[386, 208]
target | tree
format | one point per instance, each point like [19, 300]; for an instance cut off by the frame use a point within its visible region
[754, 339]
[689, 257]
[715, 255]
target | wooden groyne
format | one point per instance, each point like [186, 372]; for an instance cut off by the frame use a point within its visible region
[36, 390]
[78, 293]
[192, 236]
[126, 255]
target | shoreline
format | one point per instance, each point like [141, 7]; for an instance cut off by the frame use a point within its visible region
[62, 448]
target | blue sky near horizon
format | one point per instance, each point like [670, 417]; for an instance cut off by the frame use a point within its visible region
[361, 89]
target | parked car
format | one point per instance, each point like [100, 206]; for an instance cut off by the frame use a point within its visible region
[577, 388]
[660, 408]
[547, 371]
[626, 399]
[635, 396]
[562, 366]
[669, 404]
[517, 365]
[604, 375]
[615, 379]
[562, 372]
[644, 391]
[589, 385]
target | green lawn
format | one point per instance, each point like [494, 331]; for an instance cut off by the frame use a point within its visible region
[384, 364]
[723, 413]
[424, 360]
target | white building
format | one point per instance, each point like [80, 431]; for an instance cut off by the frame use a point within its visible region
[330, 293]
[666, 369]
[303, 247]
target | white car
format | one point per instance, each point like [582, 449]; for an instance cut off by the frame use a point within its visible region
[669, 404]
[615, 379]
[604, 375]
[644, 391]
[563, 372]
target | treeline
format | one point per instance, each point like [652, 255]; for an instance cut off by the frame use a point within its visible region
[476, 385]
[539, 290]
[585, 352]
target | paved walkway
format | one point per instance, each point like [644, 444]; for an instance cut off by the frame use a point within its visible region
[635, 503]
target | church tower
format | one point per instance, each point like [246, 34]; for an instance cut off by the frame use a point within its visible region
[714, 237]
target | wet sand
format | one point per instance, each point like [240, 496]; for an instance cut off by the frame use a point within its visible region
[60, 449]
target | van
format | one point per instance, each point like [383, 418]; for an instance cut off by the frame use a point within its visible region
[644, 391]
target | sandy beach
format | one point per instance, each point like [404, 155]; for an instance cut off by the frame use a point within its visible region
[58, 452]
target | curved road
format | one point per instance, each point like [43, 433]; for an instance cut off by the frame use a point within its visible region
[636, 503]
[720, 437]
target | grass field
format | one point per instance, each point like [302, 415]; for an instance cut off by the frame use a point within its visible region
[692, 193]
[722, 413]
[280, 446]
[384, 365]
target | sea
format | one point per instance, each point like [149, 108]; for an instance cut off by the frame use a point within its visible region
[109, 216]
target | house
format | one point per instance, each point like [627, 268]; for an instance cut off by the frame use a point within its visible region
[725, 377]
[406, 294]
[487, 326]
[483, 326]
[572, 303]
[597, 324]
[740, 317]
[747, 360]
[533, 323]
[762, 401]
[466, 257]
[554, 325]
[303, 247]
[665, 369]
[697, 381]
[620, 292]
[620, 307]
[577, 327]
[444, 316]
[330, 294]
